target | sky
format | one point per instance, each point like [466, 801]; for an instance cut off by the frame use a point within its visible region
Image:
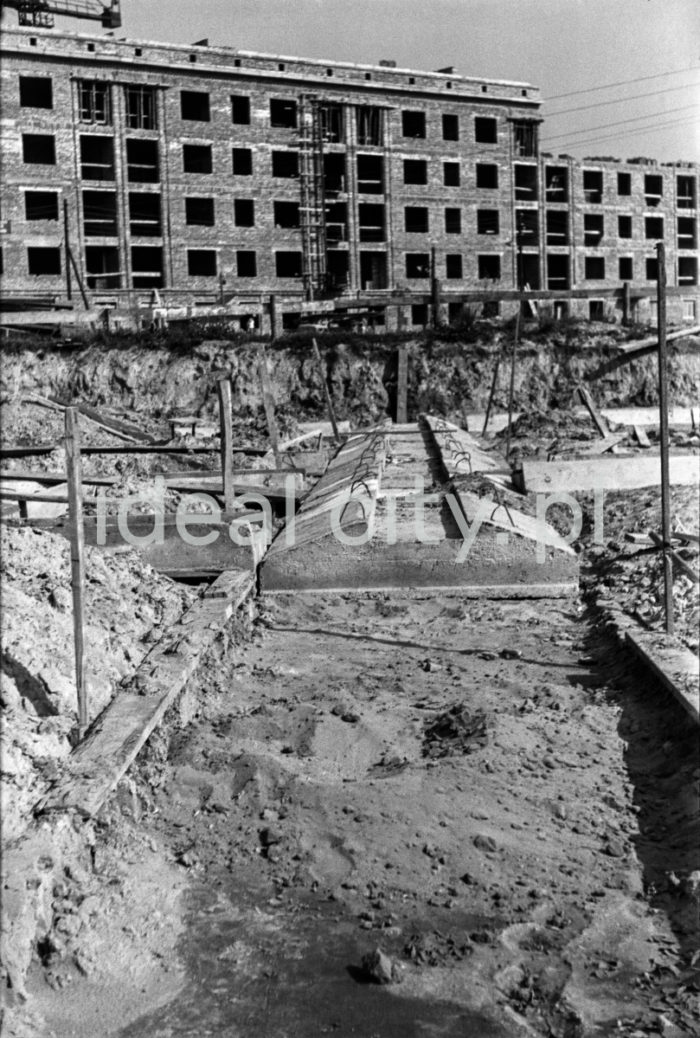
[582, 48]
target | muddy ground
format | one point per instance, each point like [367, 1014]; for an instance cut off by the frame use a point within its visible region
[490, 794]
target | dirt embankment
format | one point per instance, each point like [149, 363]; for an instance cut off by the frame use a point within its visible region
[160, 377]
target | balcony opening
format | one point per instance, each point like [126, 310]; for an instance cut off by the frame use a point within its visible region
[687, 270]
[413, 124]
[201, 263]
[338, 269]
[194, 106]
[242, 162]
[489, 268]
[685, 192]
[199, 212]
[35, 92]
[334, 173]
[331, 123]
[286, 214]
[240, 109]
[370, 126]
[246, 263]
[370, 174]
[283, 113]
[556, 183]
[416, 219]
[285, 164]
[417, 265]
[625, 268]
[372, 222]
[147, 266]
[525, 180]
[596, 309]
[487, 221]
[557, 272]
[419, 314]
[142, 161]
[337, 222]
[415, 171]
[485, 130]
[486, 175]
[593, 186]
[373, 271]
[451, 174]
[453, 221]
[653, 190]
[39, 149]
[525, 138]
[593, 229]
[94, 103]
[450, 127]
[288, 264]
[197, 158]
[41, 205]
[100, 214]
[530, 270]
[557, 222]
[527, 233]
[141, 107]
[453, 266]
[44, 262]
[652, 268]
[244, 212]
[102, 266]
[144, 215]
[687, 233]
[97, 158]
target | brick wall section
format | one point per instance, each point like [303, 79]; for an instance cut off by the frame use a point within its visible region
[484, 226]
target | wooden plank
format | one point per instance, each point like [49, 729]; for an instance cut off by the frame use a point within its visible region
[461, 454]
[269, 406]
[226, 441]
[639, 345]
[676, 667]
[115, 738]
[592, 410]
[77, 559]
[608, 443]
[125, 430]
[642, 438]
[606, 473]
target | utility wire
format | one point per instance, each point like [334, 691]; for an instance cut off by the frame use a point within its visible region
[620, 122]
[619, 100]
[626, 133]
[622, 82]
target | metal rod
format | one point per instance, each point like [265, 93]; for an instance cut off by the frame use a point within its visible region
[66, 233]
[77, 553]
[663, 437]
[226, 427]
[324, 380]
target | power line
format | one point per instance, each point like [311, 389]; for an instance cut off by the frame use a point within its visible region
[619, 100]
[621, 82]
[628, 133]
[619, 122]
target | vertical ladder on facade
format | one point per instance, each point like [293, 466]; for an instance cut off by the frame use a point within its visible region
[312, 210]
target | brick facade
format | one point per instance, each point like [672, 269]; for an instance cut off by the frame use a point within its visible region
[218, 173]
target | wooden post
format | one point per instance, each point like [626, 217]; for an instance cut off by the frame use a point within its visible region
[269, 405]
[434, 290]
[626, 303]
[81, 286]
[492, 390]
[598, 420]
[77, 553]
[402, 386]
[663, 436]
[324, 380]
[66, 236]
[516, 337]
[226, 427]
[274, 318]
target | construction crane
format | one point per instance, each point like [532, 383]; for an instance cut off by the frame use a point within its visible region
[41, 12]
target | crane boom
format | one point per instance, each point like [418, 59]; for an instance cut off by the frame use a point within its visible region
[41, 12]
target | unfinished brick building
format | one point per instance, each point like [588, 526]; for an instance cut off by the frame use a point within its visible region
[213, 174]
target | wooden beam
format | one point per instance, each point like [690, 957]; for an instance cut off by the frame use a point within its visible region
[77, 559]
[125, 430]
[402, 385]
[587, 401]
[116, 737]
[681, 564]
[269, 406]
[226, 441]
[605, 473]
[324, 382]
